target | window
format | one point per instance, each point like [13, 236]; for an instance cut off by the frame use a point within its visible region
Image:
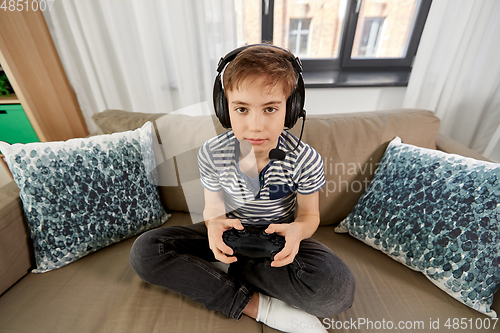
[368, 45]
[298, 36]
[340, 42]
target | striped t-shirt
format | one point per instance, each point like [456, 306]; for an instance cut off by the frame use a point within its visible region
[270, 198]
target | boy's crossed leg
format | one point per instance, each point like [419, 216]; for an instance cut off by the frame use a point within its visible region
[317, 281]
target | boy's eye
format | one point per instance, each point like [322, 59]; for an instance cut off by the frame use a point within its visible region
[271, 110]
[241, 110]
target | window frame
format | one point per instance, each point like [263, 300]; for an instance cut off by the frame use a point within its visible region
[344, 64]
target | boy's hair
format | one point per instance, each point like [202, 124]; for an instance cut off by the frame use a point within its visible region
[261, 61]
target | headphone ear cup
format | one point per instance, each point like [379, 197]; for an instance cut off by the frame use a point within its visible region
[220, 104]
[289, 110]
[293, 109]
[225, 121]
[295, 103]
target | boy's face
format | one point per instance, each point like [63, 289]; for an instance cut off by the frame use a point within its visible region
[257, 114]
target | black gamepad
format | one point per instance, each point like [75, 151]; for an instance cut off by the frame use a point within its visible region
[253, 242]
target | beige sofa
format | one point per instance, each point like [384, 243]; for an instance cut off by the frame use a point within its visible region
[101, 293]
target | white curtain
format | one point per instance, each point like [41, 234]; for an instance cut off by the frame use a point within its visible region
[141, 55]
[456, 72]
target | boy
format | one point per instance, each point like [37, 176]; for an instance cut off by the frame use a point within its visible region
[305, 279]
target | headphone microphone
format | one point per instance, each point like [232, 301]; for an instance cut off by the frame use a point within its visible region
[279, 155]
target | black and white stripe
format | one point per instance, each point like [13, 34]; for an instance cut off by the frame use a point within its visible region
[301, 172]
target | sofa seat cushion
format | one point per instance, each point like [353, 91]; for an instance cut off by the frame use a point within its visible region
[101, 293]
[387, 290]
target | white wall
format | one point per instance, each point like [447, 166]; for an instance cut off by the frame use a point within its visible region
[332, 100]
[341, 100]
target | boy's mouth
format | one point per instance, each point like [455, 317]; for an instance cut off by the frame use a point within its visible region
[256, 141]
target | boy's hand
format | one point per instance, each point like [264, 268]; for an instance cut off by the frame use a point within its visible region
[215, 228]
[293, 237]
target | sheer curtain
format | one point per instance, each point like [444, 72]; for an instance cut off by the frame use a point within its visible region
[141, 55]
[457, 72]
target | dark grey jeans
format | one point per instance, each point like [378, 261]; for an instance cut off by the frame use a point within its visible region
[178, 258]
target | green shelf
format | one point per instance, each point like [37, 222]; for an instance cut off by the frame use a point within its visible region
[15, 126]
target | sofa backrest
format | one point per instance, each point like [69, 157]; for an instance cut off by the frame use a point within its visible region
[16, 253]
[351, 145]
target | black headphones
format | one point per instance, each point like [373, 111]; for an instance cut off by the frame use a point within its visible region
[294, 103]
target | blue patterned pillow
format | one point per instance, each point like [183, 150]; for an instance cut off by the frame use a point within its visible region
[438, 214]
[84, 194]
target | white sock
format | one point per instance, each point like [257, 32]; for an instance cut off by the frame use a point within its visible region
[283, 317]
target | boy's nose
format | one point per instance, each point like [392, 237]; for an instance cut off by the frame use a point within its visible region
[256, 123]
